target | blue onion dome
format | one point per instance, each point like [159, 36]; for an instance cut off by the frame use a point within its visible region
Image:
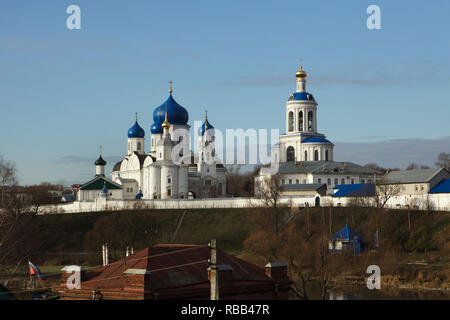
[176, 114]
[206, 126]
[100, 162]
[136, 131]
[156, 128]
[316, 140]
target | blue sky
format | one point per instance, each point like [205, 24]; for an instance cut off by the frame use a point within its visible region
[65, 92]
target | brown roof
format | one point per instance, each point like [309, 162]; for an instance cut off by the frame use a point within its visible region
[171, 266]
[179, 271]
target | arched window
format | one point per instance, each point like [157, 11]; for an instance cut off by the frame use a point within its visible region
[291, 121]
[316, 155]
[300, 121]
[290, 154]
[306, 155]
[139, 146]
[310, 121]
[326, 155]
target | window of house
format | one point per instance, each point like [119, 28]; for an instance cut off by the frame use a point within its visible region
[353, 181]
[329, 181]
[316, 155]
[207, 182]
[169, 192]
[131, 190]
[169, 180]
[336, 181]
[417, 188]
[326, 155]
[306, 155]
[297, 181]
[290, 181]
[343, 181]
[362, 181]
[319, 180]
[283, 181]
[421, 187]
[139, 146]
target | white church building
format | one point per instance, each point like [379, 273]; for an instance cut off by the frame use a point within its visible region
[167, 170]
[306, 156]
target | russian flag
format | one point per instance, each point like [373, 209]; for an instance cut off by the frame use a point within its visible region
[35, 270]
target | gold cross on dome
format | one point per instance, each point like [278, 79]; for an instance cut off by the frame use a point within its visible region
[206, 114]
[136, 115]
[170, 86]
[101, 150]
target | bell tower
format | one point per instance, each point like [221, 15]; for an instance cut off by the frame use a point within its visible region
[301, 109]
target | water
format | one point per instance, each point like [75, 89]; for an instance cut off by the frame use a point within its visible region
[356, 292]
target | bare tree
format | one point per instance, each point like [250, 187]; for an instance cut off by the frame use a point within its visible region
[8, 178]
[443, 161]
[415, 166]
[385, 191]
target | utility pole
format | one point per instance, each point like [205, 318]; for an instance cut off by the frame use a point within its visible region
[213, 275]
[329, 222]
[307, 217]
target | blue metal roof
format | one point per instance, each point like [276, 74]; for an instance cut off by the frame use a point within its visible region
[354, 190]
[201, 130]
[442, 187]
[303, 96]
[176, 114]
[346, 233]
[136, 131]
[316, 140]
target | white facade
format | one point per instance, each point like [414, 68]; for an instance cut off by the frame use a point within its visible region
[157, 175]
[302, 142]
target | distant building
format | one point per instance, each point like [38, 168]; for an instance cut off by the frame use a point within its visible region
[177, 271]
[416, 182]
[345, 240]
[310, 189]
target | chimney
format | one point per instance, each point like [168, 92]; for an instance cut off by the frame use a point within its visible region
[105, 254]
[213, 272]
[137, 280]
[276, 270]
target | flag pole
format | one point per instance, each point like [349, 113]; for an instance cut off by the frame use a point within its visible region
[31, 280]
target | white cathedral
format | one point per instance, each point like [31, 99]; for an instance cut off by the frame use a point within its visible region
[166, 171]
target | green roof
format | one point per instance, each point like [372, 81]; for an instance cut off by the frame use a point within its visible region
[5, 294]
[98, 182]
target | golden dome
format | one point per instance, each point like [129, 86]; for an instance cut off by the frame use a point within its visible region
[300, 73]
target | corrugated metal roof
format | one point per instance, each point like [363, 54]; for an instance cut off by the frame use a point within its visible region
[171, 266]
[354, 190]
[302, 187]
[411, 176]
[442, 187]
[324, 167]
